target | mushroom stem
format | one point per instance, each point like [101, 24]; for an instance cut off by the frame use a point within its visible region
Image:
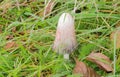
[66, 56]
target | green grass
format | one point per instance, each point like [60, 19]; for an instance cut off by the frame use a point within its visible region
[34, 56]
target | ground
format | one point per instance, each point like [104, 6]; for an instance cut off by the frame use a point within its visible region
[26, 36]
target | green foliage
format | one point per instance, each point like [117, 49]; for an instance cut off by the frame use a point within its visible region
[86, 49]
[34, 36]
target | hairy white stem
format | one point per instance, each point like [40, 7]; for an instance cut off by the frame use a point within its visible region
[66, 56]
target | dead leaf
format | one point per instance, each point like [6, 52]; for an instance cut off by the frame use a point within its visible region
[0, 31]
[46, 73]
[118, 24]
[24, 32]
[4, 6]
[49, 7]
[85, 71]
[117, 33]
[14, 29]
[11, 44]
[101, 60]
[9, 37]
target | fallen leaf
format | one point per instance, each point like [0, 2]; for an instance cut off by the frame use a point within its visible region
[0, 31]
[117, 24]
[46, 73]
[11, 44]
[85, 71]
[9, 37]
[117, 35]
[24, 32]
[4, 6]
[101, 60]
[48, 8]
[14, 29]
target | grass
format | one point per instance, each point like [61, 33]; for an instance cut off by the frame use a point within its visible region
[34, 57]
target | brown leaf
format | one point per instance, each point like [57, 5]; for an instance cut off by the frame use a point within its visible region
[24, 32]
[4, 6]
[14, 29]
[9, 37]
[11, 44]
[0, 31]
[49, 7]
[46, 73]
[117, 35]
[85, 71]
[101, 60]
[117, 24]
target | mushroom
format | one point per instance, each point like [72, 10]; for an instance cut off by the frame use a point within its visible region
[65, 39]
